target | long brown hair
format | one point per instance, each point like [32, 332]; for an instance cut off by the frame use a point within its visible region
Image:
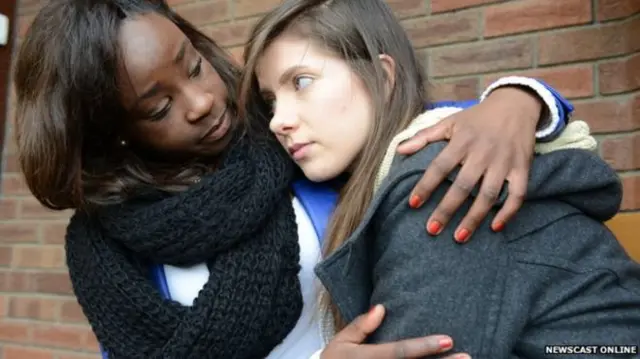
[69, 115]
[357, 31]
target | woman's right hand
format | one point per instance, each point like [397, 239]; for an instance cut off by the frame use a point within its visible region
[348, 342]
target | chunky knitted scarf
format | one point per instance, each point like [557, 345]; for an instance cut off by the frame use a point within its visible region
[239, 220]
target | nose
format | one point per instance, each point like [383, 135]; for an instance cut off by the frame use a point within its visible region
[284, 120]
[199, 102]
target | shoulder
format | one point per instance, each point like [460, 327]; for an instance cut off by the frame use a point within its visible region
[404, 173]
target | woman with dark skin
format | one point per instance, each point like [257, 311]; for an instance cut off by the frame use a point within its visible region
[131, 120]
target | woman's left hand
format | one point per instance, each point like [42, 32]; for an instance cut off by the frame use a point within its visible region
[493, 142]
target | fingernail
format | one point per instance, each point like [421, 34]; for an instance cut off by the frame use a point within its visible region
[445, 343]
[415, 202]
[498, 226]
[462, 235]
[434, 227]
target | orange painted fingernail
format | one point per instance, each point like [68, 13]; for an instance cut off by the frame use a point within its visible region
[462, 235]
[498, 226]
[445, 343]
[434, 227]
[415, 202]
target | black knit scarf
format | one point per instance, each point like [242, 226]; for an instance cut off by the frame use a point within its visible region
[239, 220]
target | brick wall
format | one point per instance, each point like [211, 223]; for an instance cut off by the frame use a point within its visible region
[588, 49]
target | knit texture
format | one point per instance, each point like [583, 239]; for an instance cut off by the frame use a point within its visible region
[239, 220]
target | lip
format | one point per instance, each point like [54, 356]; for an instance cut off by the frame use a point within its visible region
[218, 129]
[299, 150]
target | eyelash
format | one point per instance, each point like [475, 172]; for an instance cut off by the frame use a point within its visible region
[157, 116]
[197, 70]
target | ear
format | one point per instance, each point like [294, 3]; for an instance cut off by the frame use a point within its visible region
[389, 67]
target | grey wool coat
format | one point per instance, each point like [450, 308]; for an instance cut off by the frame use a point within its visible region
[555, 276]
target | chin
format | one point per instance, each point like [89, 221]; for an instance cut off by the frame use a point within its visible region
[319, 173]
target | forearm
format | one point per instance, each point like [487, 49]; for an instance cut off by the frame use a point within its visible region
[552, 115]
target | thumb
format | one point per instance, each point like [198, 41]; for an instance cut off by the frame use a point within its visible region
[435, 133]
[358, 330]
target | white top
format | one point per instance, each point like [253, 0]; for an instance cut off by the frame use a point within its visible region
[305, 339]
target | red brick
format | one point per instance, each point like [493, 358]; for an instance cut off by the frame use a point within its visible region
[30, 208]
[610, 115]
[71, 312]
[448, 5]
[34, 308]
[14, 331]
[570, 81]
[92, 342]
[15, 352]
[443, 29]
[623, 152]
[8, 208]
[38, 257]
[35, 282]
[231, 34]
[615, 9]
[14, 185]
[3, 306]
[588, 43]
[174, 3]
[460, 89]
[620, 75]
[5, 256]
[482, 57]
[76, 356]
[12, 281]
[54, 232]
[62, 336]
[18, 232]
[51, 283]
[11, 164]
[203, 13]
[237, 54]
[244, 8]
[631, 192]
[406, 8]
[521, 16]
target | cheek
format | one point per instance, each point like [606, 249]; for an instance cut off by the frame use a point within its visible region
[165, 135]
[351, 124]
[340, 121]
[213, 79]
[343, 138]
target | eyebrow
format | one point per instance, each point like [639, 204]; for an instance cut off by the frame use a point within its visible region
[285, 77]
[180, 55]
[155, 88]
